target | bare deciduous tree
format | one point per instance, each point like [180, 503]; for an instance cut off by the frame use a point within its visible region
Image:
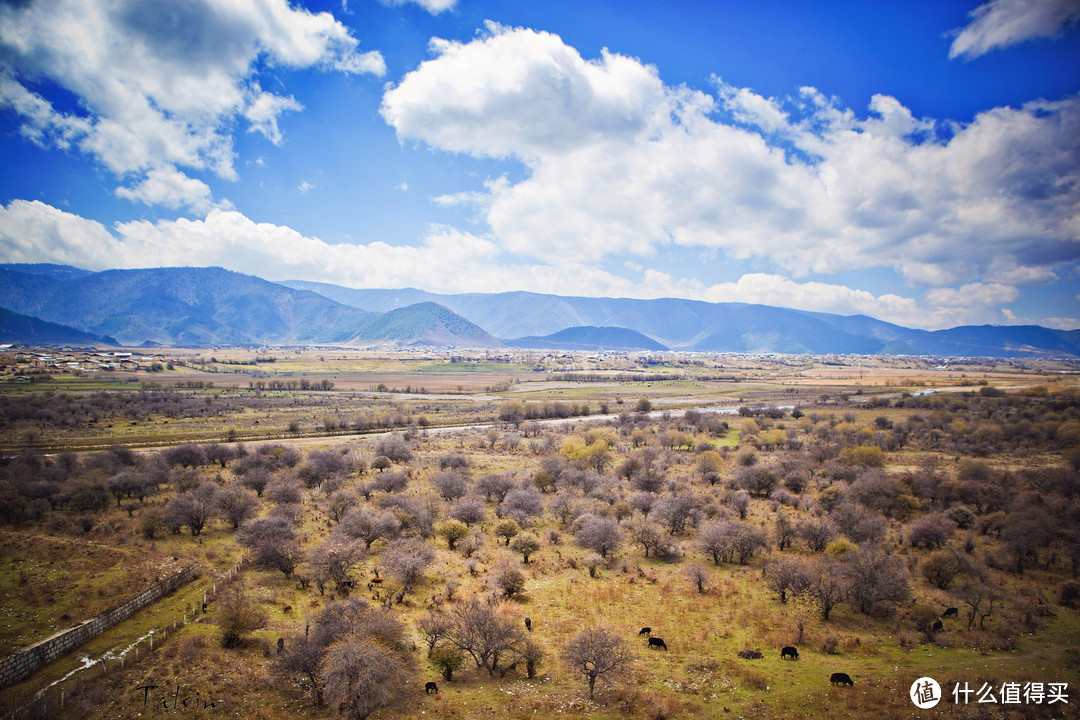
[488, 633]
[284, 491]
[282, 554]
[449, 484]
[599, 534]
[339, 503]
[875, 580]
[238, 616]
[827, 586]
[193, 508]
[302, 658]
[332, 562]
[675, 510]
[361, 676]
[405, 561]
[979, 596]
[816, 533]
[786, 575]
[596, 654]
[698, 576]
[433, 626]
[469, 510]
[368, 525]
[237, 505]
[526, 544]
[494, 486]
[520, 504]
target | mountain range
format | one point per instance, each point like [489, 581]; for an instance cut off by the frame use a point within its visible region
[211, 306]
[194, 307]
[709, 327]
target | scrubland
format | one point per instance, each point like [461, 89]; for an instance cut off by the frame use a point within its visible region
[842, 519]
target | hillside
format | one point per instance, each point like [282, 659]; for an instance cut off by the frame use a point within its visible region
[184, 306]
[213, 306]
[423, 324]
[27, 330]
[590, 338]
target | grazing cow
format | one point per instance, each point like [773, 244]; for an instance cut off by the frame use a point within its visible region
[841, 679]
[280, 644]
[657, 643]
[645, 631]
[431, 688]
[938, 626]
[951, 612]
[790, 652]
[528, 624]
[288, 609]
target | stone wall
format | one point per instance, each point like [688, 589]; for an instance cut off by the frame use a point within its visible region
[24, 663]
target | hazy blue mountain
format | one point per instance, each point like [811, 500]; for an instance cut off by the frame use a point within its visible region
[506, 315]
[695, 325]
[212, 306]
[191, 306]
[49, 270]
[888, 334]
[25, 293]
[373, 300]
[27, 330]
[674, 323]
[1004, 340]
[589, 337]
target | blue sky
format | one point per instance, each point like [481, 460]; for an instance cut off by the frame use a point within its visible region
[918, 162]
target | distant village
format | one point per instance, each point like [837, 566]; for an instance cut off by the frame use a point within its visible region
[21, 364]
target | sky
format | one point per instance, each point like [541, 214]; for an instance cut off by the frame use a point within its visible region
[918, 162]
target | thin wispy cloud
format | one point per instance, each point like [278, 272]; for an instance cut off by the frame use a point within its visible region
[1002, 23]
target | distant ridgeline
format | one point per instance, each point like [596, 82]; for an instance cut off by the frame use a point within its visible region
[199, 307]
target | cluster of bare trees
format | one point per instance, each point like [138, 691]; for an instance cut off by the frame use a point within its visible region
[490, 633]
[353, 657]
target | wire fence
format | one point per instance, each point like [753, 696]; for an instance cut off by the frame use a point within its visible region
[50, 701]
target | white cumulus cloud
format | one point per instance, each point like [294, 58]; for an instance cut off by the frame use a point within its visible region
[170, 188]
[618, 162]
[159, 84]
